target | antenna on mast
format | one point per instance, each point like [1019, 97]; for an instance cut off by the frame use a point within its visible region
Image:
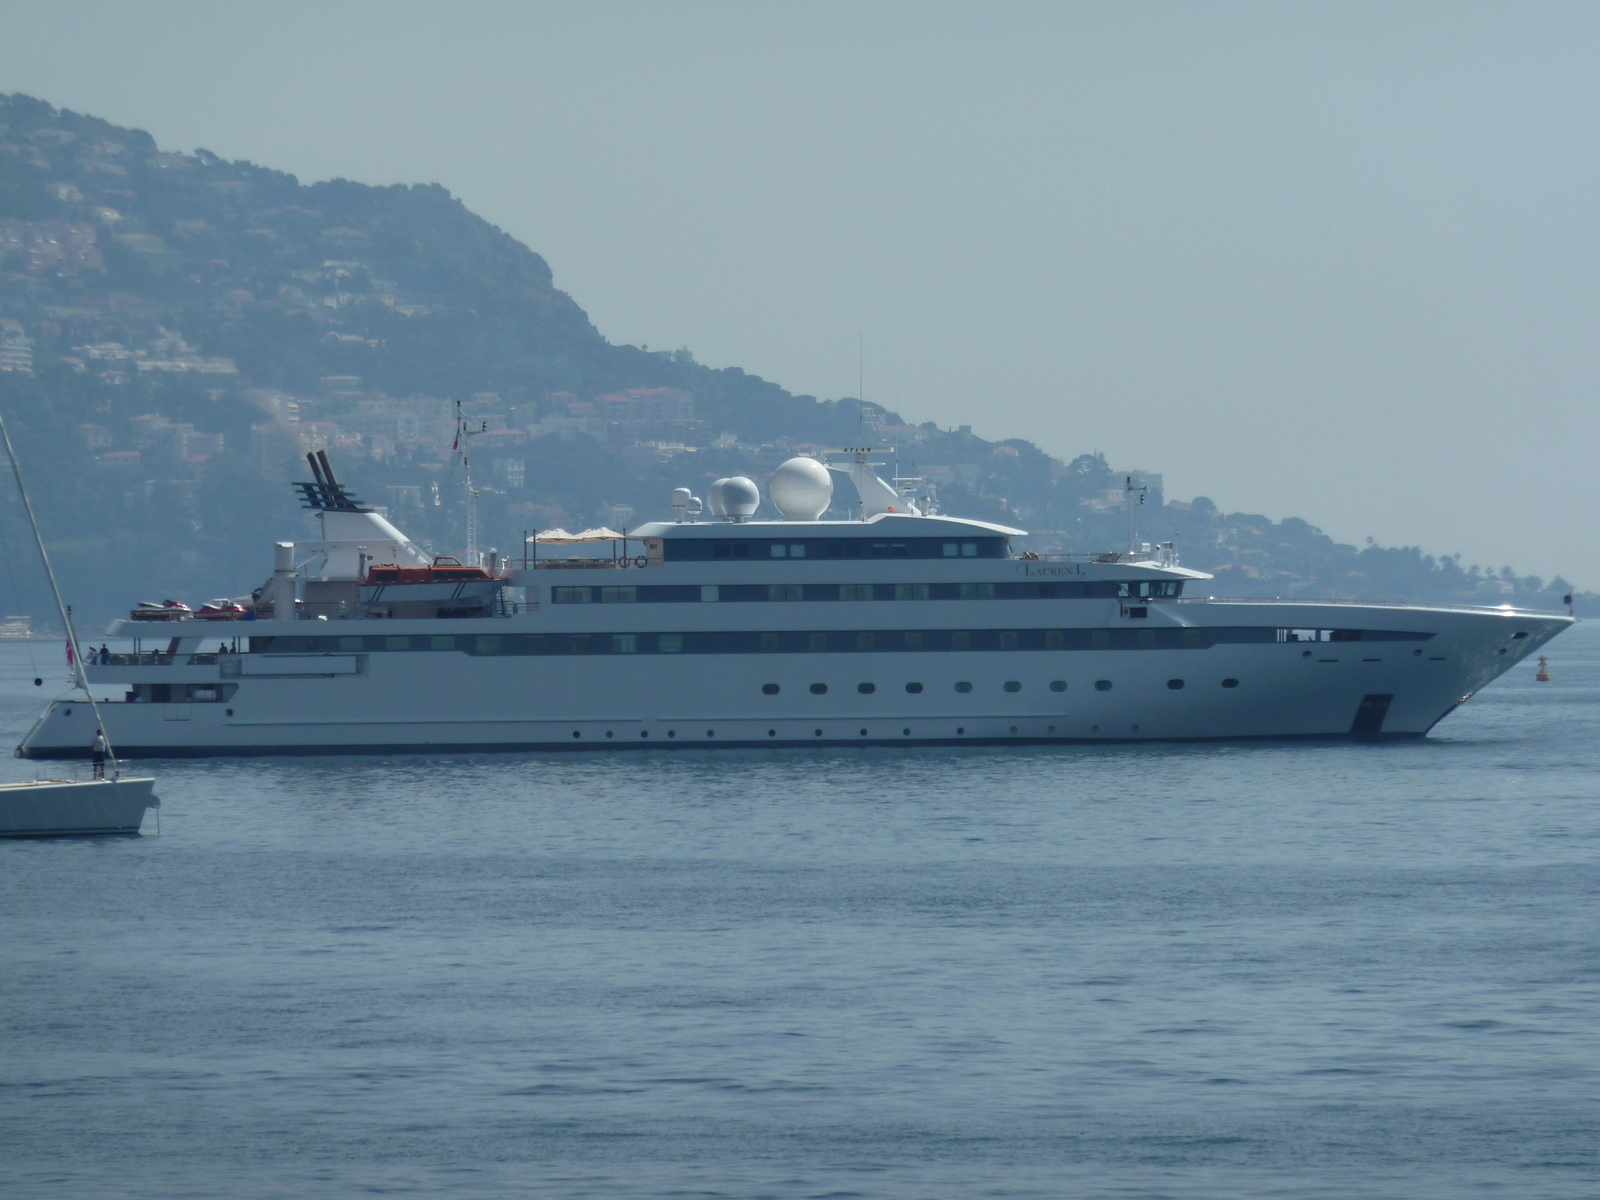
[463, 434]
[1129, 492]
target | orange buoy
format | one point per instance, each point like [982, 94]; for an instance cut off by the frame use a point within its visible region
[1544, 670]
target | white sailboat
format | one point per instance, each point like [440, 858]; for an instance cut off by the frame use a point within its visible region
[107, 803]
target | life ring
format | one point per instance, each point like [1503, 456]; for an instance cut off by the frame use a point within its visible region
[624, 562]
[641, 561]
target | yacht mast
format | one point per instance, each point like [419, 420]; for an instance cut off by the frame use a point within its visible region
[80, 679]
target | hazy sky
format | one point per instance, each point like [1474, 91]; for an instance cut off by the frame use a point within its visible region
[1330, 261]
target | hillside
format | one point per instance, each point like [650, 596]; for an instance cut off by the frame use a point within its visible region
[175, 330]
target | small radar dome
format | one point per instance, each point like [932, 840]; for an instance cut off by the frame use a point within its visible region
[714, 498]
[801, 489]
[740, 498]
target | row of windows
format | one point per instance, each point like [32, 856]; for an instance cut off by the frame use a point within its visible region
[794, 642]
[712, 592]
[683, 549]
[964, 686]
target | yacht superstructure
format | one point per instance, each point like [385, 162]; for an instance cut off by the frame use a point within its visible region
[902, 626]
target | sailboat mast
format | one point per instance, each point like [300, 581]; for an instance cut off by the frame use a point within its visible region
[55, 591]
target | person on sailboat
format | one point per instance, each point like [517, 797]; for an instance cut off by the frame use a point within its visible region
[97, 753]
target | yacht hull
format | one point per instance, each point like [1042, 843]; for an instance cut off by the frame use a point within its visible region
[452, 701]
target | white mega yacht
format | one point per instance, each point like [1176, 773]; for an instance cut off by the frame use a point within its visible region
[902, 626]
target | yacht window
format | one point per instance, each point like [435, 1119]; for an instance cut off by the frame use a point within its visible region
[619, 595]
[397, 643]
[898, 550]
[785, 591]
[913, 640]
[741, 549]
[708, 593]
[1100, 639]
[769, 689]
[977, 591]
[669, 643]
[950, 550]
[863, 641]
[349, 643]
[963, 686]
[1008, 639]
[855, 591]
[442, 643]
[866, 689]
[569, 595]
[1047, 591]
[779, 550]
[579, 643]
[960, 640]
[1102, 685]
[1230, 683]
[912, 591]
[1175, 684]
[769, 641]
[818, 643]
[819, 689]
[1013, 685]
[1058, 685]
[624, 643]
[488, 645]
[796, 550]
[852, 549]
[969, 549]
[721, 550]
[1053, 639]
[914, 688]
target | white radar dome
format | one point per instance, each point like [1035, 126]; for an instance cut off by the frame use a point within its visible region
[801, 489]
[714, 498]
[740, 498]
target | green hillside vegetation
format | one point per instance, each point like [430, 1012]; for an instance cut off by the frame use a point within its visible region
[175, 330]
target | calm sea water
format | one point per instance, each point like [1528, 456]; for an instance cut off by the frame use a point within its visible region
[1157, 971]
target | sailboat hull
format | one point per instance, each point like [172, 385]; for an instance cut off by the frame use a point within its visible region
[75, 808]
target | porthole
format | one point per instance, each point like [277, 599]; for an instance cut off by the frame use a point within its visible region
[608, 733]
[575, 733]
[863, 733]
[1052, 729]
[1013, 685]
[1013, 729]
[1418, 653]
[769, 689]
[1058, 685]
[1230, 683]
[772, 733]
[38, 683]
[1305, 654]
[960, 730]
[914, 688]
[819, 689]
[672, 733]
[1094, 729]
[1102, 685]
[866, 689]
[817, 732]
[711, 733]
[1175, 684]
[963, 686]
[906, 732]
[644, 733]
[1136, 729]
